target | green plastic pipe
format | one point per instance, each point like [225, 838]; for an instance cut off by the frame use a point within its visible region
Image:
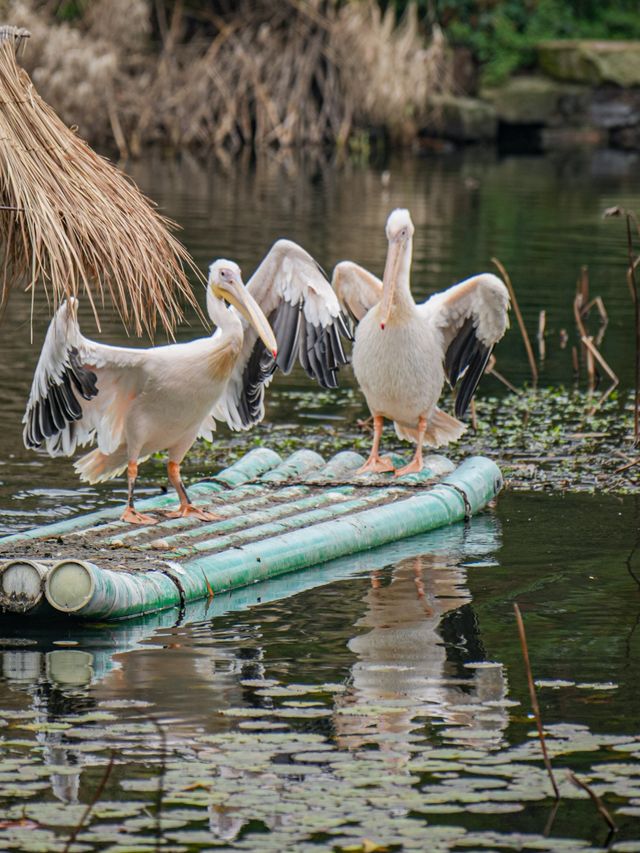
[89, 592]
[247, 524]
[236, 517]
[298, 465]
[80, 587]
[339, 505]
[22, 584]
[249, 467]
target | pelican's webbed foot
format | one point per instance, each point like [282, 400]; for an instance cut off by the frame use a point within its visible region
[414, 467]
[191, 511]
[132, 516]
[376, 465]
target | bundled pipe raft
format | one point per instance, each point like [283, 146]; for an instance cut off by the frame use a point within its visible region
[277, 516]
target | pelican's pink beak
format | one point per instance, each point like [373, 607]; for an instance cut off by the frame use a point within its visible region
[237, 295]
[390, 278]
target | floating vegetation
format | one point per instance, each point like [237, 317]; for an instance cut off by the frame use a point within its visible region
[300, 789]
[543, 440]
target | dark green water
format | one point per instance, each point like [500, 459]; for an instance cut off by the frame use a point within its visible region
[388, 706]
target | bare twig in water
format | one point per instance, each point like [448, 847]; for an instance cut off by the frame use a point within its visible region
[521, 325]
[534, 700]
[575, 362]
[632, 283]
[91, 804]
[551, 818]
[582, 331]
[594, 798]
[591, 348]
[491, 371]
[365, 425]
[542, 344]
[633, 286]
[627, 466]
[604, 317]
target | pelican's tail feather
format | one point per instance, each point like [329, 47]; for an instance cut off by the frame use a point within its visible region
[441, 429]
[96, 467]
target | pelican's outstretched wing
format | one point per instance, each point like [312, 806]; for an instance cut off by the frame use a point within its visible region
[307, 321]
[357, 289]
[81, 389]
[472, 317]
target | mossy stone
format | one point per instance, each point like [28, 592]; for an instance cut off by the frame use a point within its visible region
[592, 62]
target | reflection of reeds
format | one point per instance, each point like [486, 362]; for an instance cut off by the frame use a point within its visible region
[82, 226]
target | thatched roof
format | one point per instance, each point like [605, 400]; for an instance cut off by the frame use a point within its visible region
[71, 223]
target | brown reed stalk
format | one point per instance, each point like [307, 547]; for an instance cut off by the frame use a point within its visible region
[82, 227]
[534, 700]
[575, 362]
[595, 799]
[632, 284]
[635, 296]
[595, 353]
[490, 370]
[542, 325]
[521, 325]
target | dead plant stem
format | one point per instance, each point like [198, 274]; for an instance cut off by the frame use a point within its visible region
[600, 806]
[534, 700]
[521, 325]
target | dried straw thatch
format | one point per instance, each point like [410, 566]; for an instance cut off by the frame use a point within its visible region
[77, 225]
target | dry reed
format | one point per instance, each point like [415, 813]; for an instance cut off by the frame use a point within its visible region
[521, 325]
[595, 799]
[534, 700]
[264, 73]
[82, 227]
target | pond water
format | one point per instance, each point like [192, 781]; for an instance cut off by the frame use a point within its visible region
[387, 708]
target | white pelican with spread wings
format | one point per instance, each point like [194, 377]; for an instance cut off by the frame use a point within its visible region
[404, 351]
[135, 402]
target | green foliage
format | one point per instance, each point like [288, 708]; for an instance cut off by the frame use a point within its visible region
[503, 33]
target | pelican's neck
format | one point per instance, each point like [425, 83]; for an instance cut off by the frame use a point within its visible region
[402, 302]
[221, 316]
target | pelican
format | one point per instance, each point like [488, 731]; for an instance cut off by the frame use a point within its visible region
[403, 351]
[135, 402]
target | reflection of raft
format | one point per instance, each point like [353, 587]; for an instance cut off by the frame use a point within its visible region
[279, 517]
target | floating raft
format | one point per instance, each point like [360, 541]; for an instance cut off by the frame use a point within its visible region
[276, 517]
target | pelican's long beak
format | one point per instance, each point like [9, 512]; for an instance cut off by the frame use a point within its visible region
[390, 278]
[238, 295]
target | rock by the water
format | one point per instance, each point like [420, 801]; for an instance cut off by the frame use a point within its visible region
[463, 119]
[537, 100]
[592, 62]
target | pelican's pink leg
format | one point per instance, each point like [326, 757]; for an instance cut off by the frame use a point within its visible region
[131, 514]
[186, 508]
[376, 463]
[415, 466]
